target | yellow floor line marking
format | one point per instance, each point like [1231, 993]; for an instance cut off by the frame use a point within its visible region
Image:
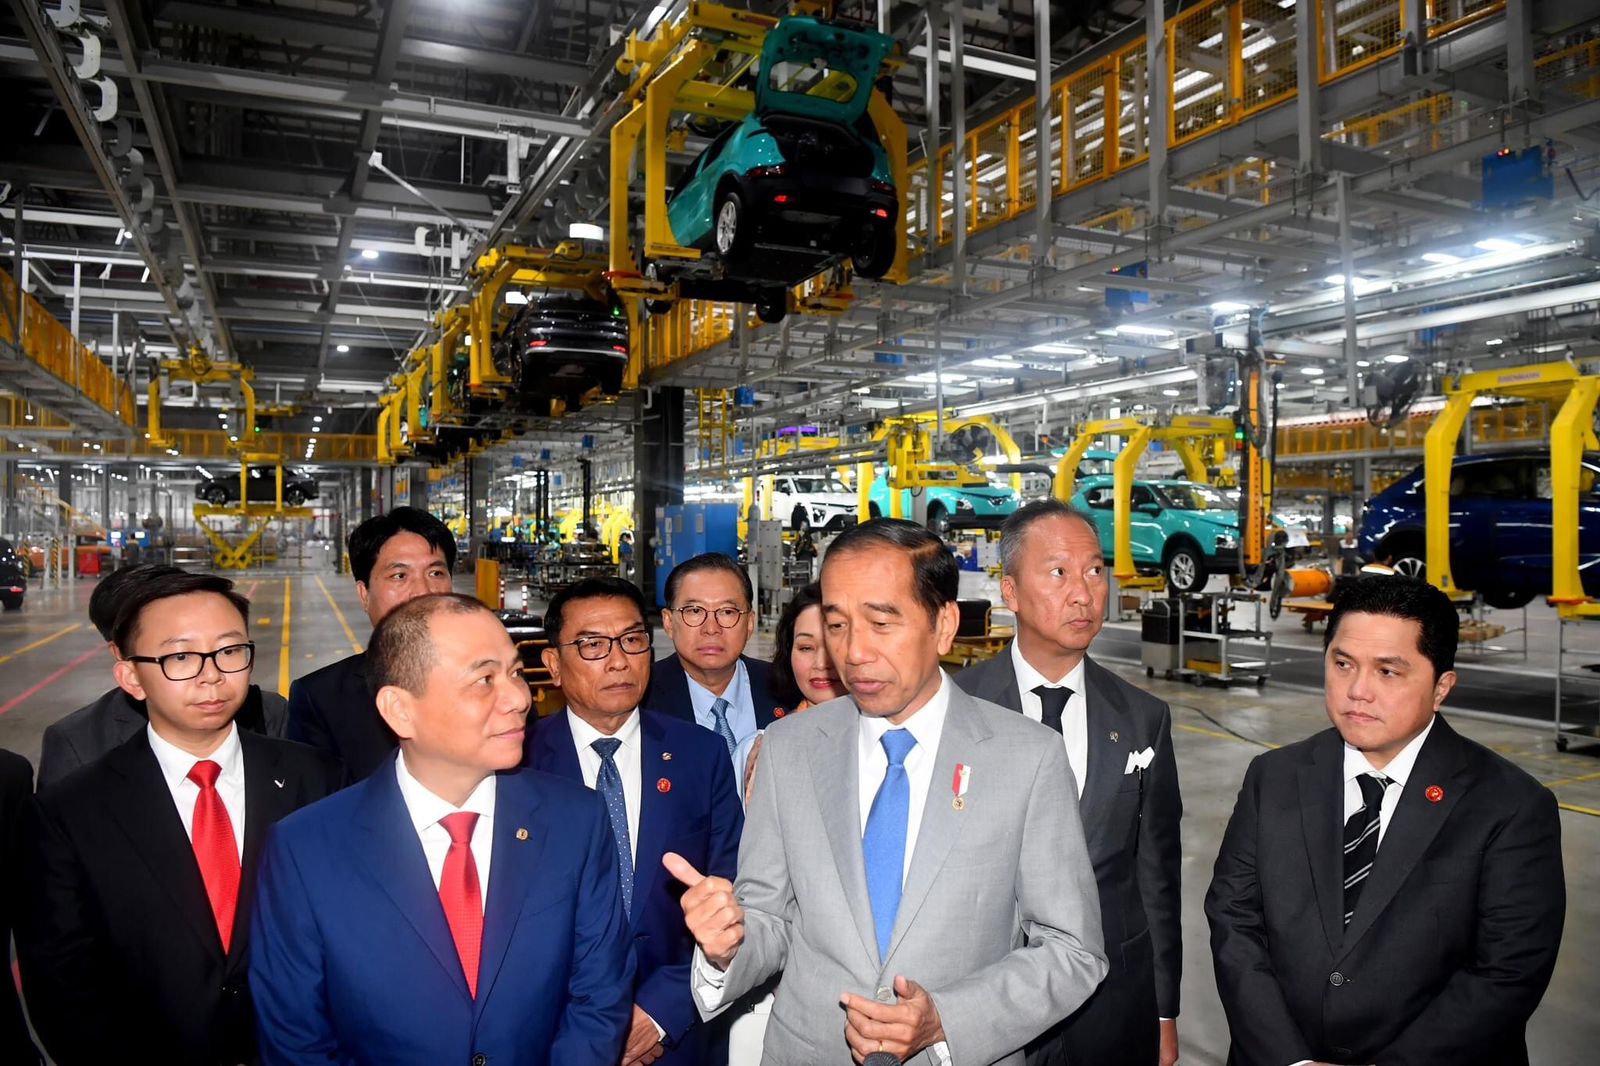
[1575, 809]
[41, 642]
[264, 621]
[1216, 734]
[1572, 780]
[355, 645]
[283, 652]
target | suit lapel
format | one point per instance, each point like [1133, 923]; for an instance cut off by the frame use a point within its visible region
[553, 748]
[997, 680]
[833, 780]
[655, 814]
[1322, 823]
[267, 798]
[1106, 716]
[393, 858]
[142, 805]
[512, 873]
[941, 822]
[1413, 825]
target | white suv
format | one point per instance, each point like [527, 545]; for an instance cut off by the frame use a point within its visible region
[820, 502]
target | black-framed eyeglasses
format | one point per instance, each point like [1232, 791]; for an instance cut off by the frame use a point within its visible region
[187, 665]
[595, 648]
[695, 616]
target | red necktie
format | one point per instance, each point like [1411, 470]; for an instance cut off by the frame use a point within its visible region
[214, 848]
[458, 891]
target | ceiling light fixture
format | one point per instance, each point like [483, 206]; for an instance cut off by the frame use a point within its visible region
[586, 231]
[1229, 307]
[1138, 330]
[1442, 258]
[341, 349]
[1496, 244]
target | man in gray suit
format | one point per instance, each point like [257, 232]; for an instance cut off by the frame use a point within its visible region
[1118, 739]
[911, 854]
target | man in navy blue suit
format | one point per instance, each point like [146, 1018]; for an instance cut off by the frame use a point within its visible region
[667, 784]
[444, 911]
[709, 680]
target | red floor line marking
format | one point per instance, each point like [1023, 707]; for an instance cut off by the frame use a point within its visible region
[52, 679]
[250, 593]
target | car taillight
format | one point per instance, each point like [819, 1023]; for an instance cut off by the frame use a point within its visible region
[773, 171]
[781, 198]
[883, 186]
[623, 348]
[537, 344]
[880, 212]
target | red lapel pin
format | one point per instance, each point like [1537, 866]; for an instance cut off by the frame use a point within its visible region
[663, 785]
[1434, 793]
[778, 712]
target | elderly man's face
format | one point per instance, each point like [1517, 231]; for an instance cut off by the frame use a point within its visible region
[879, 635]
[471, 715]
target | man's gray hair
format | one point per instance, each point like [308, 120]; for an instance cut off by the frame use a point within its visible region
[1024, 518]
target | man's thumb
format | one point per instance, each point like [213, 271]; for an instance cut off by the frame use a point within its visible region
[682, 869]
[906, 988]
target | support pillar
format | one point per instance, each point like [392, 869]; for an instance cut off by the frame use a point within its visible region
[364, 480]
[658, 441]
[419, 488]
[930, 146]
[958, 148]
[479, 471]
[1044, 156]
[1308, 90]
[1158, 87]
[1352, 351]
[1522, 87]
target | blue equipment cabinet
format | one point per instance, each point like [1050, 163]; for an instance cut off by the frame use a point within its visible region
[684, 530]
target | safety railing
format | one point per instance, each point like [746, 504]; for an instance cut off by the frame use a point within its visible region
[1504, 424]
[213, 444]
[48, 343]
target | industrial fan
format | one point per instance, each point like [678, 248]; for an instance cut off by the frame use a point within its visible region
[966, 445]
[1388, 392]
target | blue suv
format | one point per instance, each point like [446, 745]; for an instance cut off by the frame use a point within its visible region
[1499, 525]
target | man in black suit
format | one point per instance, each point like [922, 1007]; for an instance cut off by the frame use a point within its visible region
[88, 733]
[708, 679]
[1119, 743]
[141, 867]
[16, 788]
[1387, 891]
[394, 557]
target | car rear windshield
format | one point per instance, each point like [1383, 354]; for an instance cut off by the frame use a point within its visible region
[818, 484]
[811, 77]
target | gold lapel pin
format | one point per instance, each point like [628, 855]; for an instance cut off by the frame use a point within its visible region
[666, 756]
[959, 803]
[1114, 736]
[522, 834]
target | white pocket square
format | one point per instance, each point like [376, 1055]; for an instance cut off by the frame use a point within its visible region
[1139, 760]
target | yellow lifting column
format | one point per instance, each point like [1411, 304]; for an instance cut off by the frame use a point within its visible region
[1183, 432]
[1571, 433]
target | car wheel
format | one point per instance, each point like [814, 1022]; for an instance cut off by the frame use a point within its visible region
[12, 603]
[1505, 599]
[1185, 569]
[293, 497]
[875, 254]
[1407, 558]
[655, 307]
[938, 520]
[730, 229]
[772, 309]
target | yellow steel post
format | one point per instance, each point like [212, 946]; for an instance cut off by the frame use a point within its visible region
[1122, 511]
[892, 133]
[1438, 455]
[158, 439]
[247, 435]
[1572, 428]
[1065, 482]
[624, 140]
[384, 455]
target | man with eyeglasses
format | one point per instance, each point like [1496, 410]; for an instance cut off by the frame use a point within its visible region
[667, 785]
[709, 680]
[139, 868]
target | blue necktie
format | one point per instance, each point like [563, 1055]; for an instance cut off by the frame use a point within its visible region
[609, 785]
[719, 712]
[883, 845]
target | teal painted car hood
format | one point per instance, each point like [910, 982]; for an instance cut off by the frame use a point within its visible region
[795, 44]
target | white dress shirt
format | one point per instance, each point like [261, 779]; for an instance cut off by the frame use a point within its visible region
[426, 809]
[927, 726]
[1074, 719]
[629, 758]
[175, 765]
[741, 705]
[1398, 771]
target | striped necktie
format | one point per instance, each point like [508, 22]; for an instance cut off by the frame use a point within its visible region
[1361, 840]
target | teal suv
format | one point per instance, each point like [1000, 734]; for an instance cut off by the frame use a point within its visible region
[953, 507]
[1183, 529]
[797, 184]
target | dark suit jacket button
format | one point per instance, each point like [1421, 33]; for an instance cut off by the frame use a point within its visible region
[1344, 1053]
[480, 1059]
[1336, 979]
